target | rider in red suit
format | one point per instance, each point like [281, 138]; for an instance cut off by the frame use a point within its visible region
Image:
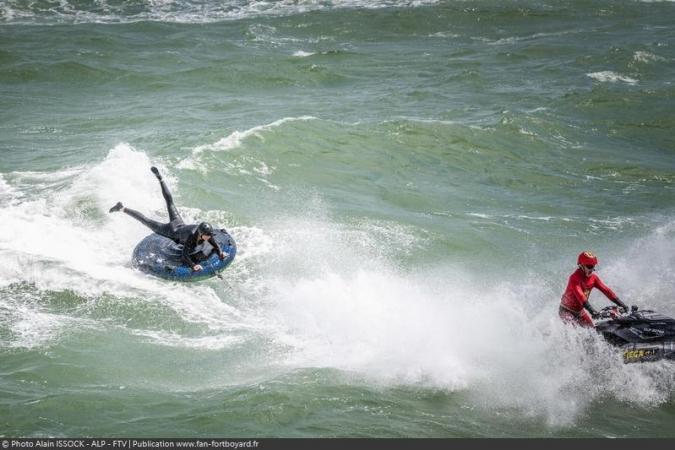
[574, 306]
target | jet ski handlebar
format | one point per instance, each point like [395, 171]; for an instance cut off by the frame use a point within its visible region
[613, 311]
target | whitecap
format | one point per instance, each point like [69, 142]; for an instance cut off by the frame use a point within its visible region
[611, 77]
[234, 140]
[69, 11]
[646, 57]
[303, 54]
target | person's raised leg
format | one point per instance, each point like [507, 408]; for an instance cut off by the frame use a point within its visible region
[159, 228]
[168, 198]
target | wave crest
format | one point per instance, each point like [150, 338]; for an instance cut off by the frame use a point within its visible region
[175, 11]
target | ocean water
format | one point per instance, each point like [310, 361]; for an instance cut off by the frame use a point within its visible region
[408, 182]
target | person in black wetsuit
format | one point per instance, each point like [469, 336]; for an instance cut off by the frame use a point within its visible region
[192, 237]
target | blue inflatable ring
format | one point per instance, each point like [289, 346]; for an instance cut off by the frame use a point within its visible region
[161, 256]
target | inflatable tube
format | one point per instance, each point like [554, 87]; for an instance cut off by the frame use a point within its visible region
[161, 256]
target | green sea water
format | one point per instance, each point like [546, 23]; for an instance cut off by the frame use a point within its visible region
[408, 183]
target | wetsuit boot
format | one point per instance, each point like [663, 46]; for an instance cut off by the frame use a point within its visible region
[116, 208]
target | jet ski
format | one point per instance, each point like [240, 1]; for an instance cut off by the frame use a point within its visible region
[642, 335]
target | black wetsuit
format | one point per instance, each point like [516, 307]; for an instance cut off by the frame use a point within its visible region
[177, 230]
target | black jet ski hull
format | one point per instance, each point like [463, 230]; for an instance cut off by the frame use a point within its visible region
[642, 336]
[639, 353]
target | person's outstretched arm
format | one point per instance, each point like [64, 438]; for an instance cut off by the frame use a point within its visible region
[216, 247]
[187, 248]
[602, 287]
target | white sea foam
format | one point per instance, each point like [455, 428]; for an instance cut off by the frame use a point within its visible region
[30, 327]
[211, 343]
[526, 132]
[646, 57]
[611, 77]
[445, 34]
[480, 215]
[535, 36]
[7, 192]
[179, 11]
[303, 54]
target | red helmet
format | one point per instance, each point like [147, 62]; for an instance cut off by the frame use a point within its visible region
[587, 259]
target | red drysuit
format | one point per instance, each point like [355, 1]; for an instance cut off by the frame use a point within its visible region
[576, 295]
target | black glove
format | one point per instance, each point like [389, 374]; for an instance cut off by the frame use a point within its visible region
[622, 305]
[590, 309]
